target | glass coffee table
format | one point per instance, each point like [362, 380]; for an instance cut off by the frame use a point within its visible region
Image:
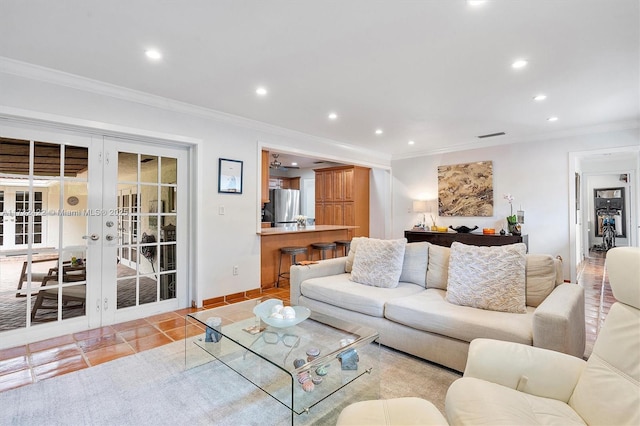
[299, 366]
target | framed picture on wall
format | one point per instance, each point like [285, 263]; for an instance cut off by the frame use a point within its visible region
[466, 190]
[229, 176]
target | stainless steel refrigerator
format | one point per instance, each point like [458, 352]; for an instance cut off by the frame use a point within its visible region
[283, 207]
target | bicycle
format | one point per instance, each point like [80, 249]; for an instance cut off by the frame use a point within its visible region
[608, 233]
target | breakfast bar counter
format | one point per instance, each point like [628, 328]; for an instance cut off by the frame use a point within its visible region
[272, 239]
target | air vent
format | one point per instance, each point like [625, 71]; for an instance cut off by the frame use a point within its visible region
[490, 135]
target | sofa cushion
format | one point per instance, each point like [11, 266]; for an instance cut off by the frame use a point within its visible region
[353, 249]
[429, 311]
[339, 290]
[479, 402]
[378, 262]
[541, 278]
[490, 278]
[414, 266]
[438, 266]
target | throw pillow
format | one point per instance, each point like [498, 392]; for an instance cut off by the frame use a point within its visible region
[352, 253]
[491, 278]
[541, 278]
[414, 265]
[378, 262]
[438, 267]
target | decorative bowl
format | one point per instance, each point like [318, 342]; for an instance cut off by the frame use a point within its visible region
[263, 310]
[463, 229]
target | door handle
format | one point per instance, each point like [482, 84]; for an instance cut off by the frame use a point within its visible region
[92, 237]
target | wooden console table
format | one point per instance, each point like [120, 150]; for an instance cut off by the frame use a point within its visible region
[447, 238]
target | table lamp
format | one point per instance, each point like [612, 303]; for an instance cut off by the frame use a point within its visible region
[421, 206]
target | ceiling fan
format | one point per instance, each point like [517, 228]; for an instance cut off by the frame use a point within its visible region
[277, 165]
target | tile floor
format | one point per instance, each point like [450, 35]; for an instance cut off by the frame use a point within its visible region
[37, 361]
[597, 294]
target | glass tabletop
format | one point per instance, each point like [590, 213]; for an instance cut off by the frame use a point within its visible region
[299, 365]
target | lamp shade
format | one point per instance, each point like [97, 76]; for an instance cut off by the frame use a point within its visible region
[420, 206]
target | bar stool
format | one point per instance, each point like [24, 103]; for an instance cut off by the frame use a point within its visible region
[323, 248]
[291, 251]
[345, 244]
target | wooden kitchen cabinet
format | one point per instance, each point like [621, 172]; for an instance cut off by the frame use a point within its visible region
[264, 190]
[324, 186]
[278, 182]
[342, 198]
[338, 185]
[348, 184]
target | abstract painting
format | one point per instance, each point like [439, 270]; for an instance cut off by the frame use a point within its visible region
[466, 189]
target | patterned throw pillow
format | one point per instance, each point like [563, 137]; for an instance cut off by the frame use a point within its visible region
[490, 278]
[378, 262]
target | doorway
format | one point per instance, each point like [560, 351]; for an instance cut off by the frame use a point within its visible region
[92, 231]
[589, 170]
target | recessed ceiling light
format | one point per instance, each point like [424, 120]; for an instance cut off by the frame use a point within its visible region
[261, 91]
[378, 131]
[476, 2]
[540, 97]
[294, 164]
[333, 116]
[411, 142]
[153, 54]
[552, 119]
[520, 63]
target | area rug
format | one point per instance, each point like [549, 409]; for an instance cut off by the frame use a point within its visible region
[153, 387]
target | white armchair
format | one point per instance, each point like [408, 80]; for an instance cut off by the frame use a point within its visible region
[508, 383]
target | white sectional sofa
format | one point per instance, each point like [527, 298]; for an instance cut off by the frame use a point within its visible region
[416, 315]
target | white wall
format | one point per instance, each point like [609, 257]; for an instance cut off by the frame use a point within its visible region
[222, 240]
[535, 173]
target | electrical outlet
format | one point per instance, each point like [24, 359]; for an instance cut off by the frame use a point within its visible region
[221, 210]
[235, 270]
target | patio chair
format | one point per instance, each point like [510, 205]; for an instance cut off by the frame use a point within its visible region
[35, 276]
[72, 297]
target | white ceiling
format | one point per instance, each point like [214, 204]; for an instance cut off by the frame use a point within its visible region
[437, 72]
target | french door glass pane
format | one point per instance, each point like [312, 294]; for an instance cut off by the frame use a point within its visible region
[148, 169]
[147, 200]
[169, 168]
[76, 161]
[46, 161]
[14, 156]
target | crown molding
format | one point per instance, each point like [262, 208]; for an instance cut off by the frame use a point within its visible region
[579, 131]
[61, 78]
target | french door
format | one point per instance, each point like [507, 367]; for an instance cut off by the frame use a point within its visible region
[14, 228]
[92, 231]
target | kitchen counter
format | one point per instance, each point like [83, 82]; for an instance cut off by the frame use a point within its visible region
[296, 229]
[272, 239]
